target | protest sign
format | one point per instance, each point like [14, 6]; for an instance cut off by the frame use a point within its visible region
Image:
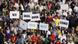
[43, 26]
[35, 17]
[64, 7]
[64, 23]
[32, 25]
[27, 15]
[14, 14]
[23, 25]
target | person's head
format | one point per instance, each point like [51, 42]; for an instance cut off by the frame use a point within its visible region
[38, 35]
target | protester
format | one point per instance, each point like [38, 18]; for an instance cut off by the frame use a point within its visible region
[61, 16]
[34, 38]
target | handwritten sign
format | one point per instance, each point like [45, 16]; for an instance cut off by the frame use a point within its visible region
[64, 23]
[43, 26]
[35, 17]
[27, 15]
[14, 14]
[23, 25]
[32, 25]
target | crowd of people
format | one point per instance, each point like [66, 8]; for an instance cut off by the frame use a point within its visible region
[50, 13]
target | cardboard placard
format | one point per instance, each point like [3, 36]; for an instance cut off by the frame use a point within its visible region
[35, 17]
[64, 23]
[27, 15]
[64, 7]
[23, 25]
[14, 14]
[43, 26]
[32, 25]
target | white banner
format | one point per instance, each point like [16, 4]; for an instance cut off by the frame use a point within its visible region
[23, 25]
[43, 26]
[64, 7]
[32, 25]
[27, 15]
[64, 23]
[14, 14]
[35, 17]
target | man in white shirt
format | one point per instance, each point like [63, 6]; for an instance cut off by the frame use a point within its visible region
[31, 4]
[70, 11]
[16, 6]
[76, 8]
[41, 8]
[63, 37]
[48, 33]
[36, 1]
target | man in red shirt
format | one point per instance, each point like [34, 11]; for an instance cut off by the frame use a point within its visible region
[39, 40]
[53, 38]
[58, 41]
[34, 38]
[13, 38]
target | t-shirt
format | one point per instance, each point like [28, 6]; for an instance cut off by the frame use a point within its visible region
[49, 5]
[34, 38]
[24, 35]
[41, 8]
[47, 40]
[53, 37]
[59, 32]
[13, 39]
[59, 11]
[14, 29]
[76, 8]
[65, 14]
[8, 34]
[70, 10]
[63, 37]
[48, 33]
[57, 21]
[17, 6]
[31, 5]
[49, 19]
[58, 42]
[22, 8]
